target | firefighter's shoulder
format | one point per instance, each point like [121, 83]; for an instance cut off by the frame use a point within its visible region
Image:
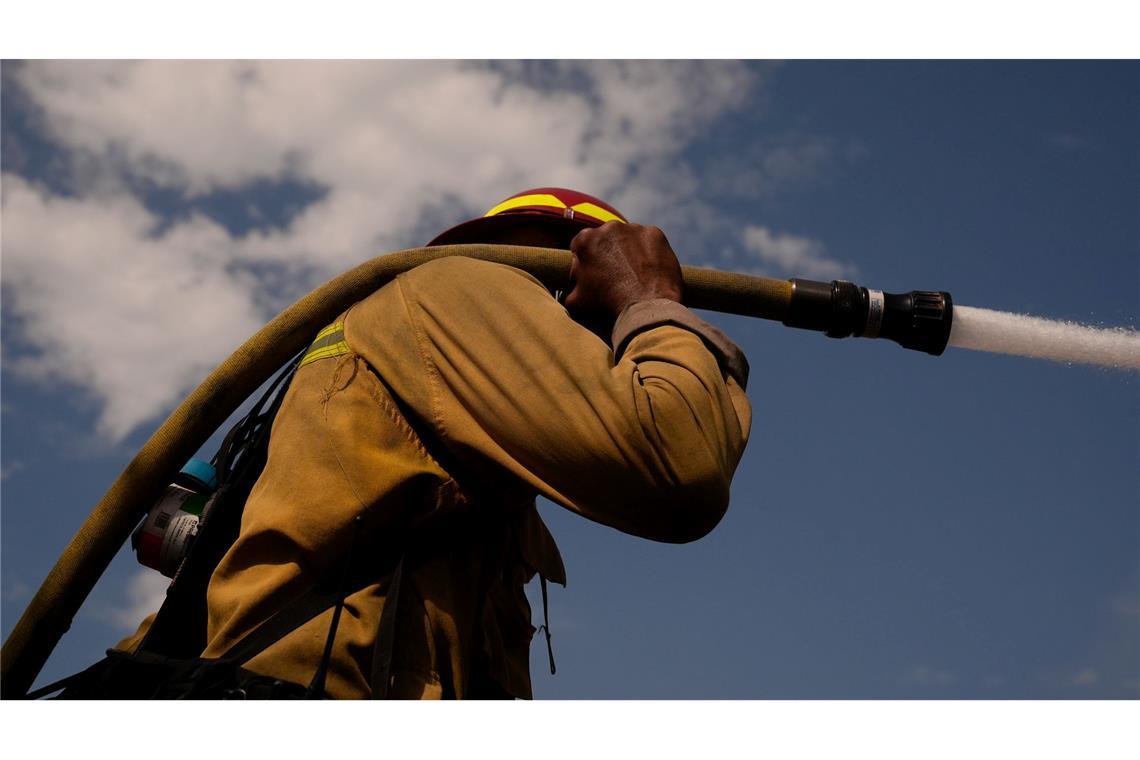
[468, 273]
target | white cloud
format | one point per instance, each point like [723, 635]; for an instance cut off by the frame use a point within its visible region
[768, 166]
[387, 138]
[15, 590]
[796, 162]
[133, 318]
[10, 468]
[924, 675]
[1068, 141]
[1085, 677]
[791, 254]
[136, 312]
[145, 592]
[1126, 606]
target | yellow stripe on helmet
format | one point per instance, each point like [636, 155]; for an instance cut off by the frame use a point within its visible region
[597, 212]
[540, 199]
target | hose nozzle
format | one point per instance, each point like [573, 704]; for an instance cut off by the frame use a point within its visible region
[918, 320]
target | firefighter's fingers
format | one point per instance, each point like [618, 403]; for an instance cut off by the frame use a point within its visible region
[580, 244]
[573, 280]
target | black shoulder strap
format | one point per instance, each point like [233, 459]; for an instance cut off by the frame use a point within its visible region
[386, 636]
[545, 627]
[289, 618]
[179, 629]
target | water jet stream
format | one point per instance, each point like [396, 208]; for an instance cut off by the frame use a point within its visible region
[1022, 335]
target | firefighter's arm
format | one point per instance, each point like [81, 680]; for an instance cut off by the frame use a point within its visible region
[647, 443]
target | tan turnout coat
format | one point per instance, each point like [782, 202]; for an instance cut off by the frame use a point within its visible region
[430, 416]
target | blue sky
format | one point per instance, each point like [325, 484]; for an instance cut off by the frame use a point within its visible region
[902, 526]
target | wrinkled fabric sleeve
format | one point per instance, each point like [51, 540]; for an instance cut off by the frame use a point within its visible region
[647, 444]
[661, 311]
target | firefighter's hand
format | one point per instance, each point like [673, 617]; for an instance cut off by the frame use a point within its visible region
[616, 265]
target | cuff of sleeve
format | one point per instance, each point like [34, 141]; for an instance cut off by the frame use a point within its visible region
[644, 315]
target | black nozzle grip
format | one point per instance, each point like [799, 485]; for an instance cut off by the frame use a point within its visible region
[918, 320]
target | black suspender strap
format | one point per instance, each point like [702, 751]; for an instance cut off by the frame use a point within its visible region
[545, 627]
[152, 672]
[316, 688]
[386, 636]
[286, 620]
[62, 683]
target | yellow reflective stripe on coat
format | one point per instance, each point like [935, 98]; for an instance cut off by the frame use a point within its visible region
[329, 329]
[329, 342]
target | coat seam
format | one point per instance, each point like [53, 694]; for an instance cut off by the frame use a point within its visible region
[330, 391]
[430, 368]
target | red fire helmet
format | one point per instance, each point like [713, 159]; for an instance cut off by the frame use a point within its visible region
[557, 207]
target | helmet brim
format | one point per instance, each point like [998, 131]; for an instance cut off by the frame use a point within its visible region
[486, 229]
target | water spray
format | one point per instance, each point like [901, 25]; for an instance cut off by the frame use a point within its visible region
[1038, 338]
[925, 321]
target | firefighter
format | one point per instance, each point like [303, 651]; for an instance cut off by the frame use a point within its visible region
[421, 425]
